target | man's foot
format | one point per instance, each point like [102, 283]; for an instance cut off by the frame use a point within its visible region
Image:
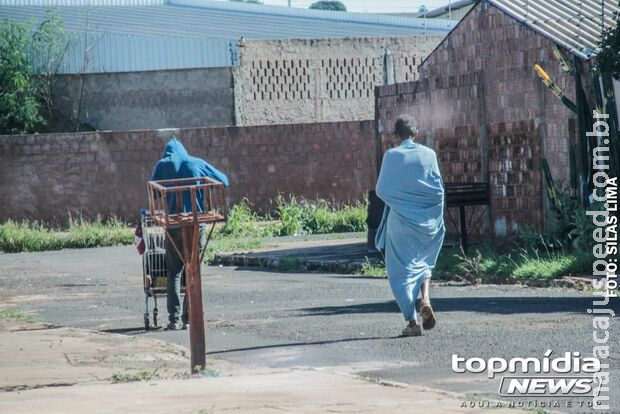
[185, 325]
[413, 329]
[174, 326]
[427, 315]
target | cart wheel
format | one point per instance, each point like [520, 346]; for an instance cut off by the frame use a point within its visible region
[155, 317]
[146, 322]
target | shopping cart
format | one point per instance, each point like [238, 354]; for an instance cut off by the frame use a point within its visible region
[154, 269]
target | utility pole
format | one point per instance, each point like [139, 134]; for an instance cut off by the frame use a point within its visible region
[290, 3]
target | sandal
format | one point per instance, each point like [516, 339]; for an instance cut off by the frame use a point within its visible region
[412, 330]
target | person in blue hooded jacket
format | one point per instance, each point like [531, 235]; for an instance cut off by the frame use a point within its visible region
[412, 229]
[177, 163]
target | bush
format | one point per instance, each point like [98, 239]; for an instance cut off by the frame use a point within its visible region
[328, 5]
[26, 100]
[318, 218]
[242, 221]
[19, 107]
[608, 59]
[292, 216]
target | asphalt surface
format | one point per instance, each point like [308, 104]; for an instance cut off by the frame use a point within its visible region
[267, 319]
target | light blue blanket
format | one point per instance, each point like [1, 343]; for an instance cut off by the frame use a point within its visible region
[412, 229]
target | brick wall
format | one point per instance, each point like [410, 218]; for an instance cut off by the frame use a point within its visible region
[480, 104]
[47, 176]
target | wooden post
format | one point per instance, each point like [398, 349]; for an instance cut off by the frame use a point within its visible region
[189, 223]
[194, 295]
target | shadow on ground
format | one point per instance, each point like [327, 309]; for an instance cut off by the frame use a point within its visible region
[295, 344]
[494, 305]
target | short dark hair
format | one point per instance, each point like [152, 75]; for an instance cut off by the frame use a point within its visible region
[405, 126]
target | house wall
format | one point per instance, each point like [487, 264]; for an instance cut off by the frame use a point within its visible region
[47, 176]
[153, 99]
[481, 106]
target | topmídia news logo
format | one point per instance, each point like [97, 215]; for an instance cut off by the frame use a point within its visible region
[568, 375]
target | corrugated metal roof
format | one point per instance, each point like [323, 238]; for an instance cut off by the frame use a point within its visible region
[231, 20]
[133, 35]
[573, 24]
[110, 52]
[81, 3]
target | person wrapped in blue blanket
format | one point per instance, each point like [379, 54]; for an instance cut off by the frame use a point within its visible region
[177, 163]
[412, 228]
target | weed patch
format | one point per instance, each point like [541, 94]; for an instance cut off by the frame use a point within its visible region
[206, 372]
[118, 378]
[373, 269]
[19, 315]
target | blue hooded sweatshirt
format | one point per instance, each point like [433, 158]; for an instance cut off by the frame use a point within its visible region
[177, 163]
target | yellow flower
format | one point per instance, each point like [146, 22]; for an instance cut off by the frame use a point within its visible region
[541, 72]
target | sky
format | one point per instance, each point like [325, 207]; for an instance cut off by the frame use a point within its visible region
[371, 6]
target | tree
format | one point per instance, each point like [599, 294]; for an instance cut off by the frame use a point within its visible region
[30, 56]
[19, 107]
[608, 59]
[422, 9]
[328, 5]
[49, 43]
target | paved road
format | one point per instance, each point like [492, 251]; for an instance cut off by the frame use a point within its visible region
[315, 320]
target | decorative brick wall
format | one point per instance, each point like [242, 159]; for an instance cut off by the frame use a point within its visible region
[45, 177]
[479, 103]
[303, 80]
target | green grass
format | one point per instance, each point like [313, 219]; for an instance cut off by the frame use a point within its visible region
[34, 237]
[523, 264]
[373, 269]
[242, 222]
[122, 377]
[518, 263]
[19, 315]
[231, 244]
[302, 217]
[292, 217]
[206, 371]
[242, 231]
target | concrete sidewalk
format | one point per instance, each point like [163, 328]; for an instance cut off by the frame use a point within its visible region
[332, 255]
[349, 253]
[65, 370]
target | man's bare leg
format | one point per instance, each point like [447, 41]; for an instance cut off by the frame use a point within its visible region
[424, 291]
[413, 328]
[426, 311]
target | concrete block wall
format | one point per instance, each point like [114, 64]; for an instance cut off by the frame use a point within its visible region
[47, 176]
[154, 99]
[479, 96]
[292, 81]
